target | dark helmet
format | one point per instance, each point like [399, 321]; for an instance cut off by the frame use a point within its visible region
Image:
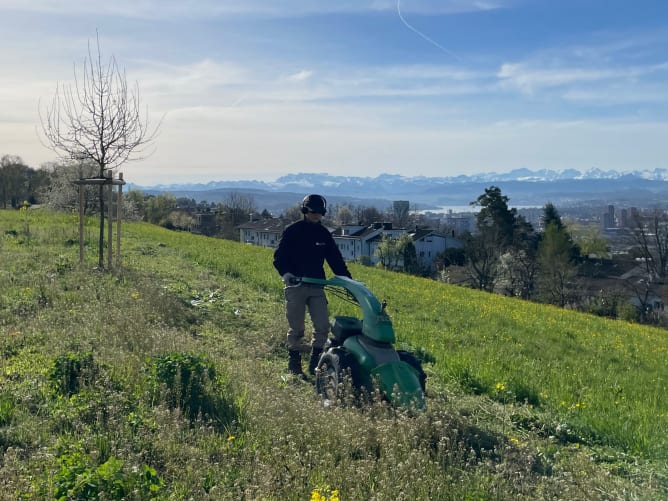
[314, 203]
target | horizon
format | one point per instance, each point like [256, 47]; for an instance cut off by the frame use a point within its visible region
[650, 174]
[258, 90]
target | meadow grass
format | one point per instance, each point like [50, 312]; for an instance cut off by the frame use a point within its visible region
[524, 401]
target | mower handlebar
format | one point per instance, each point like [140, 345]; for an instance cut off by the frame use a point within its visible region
[376, 323]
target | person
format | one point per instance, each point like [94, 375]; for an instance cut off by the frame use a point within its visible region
[302, 251]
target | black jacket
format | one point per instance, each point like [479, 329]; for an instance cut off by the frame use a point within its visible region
[303, 249]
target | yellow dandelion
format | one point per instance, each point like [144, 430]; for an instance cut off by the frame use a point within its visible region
[316, 496]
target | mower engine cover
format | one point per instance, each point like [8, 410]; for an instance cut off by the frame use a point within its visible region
[344, 327]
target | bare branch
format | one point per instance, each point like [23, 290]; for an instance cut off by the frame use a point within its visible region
[97, 118]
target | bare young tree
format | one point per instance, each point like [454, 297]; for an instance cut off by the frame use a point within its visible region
[649, 232]
[236, 209]
[97, 120]
[557, 269]
[483, 253]
[643, 292]
[344, 215]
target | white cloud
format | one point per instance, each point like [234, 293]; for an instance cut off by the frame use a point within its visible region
[619, 94]
[607, 62]
[529, 79]
[207, 83]
[300, 76]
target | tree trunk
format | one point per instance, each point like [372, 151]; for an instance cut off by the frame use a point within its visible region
[100, 263]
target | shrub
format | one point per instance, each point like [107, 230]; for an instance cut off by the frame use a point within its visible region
[71, 371]
[194, 387]
[79, 479]
[629, 313]
[7, 406]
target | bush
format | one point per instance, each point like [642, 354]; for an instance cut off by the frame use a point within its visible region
[629, 313]
[79, 479]
[194, 387]
[71, 371]
[7, 406]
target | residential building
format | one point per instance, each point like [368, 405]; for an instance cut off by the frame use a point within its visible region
[264, 232]
[429, 243]
[459, 224]
[204, 223]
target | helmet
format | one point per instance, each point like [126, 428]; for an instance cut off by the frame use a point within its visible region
[314, 203]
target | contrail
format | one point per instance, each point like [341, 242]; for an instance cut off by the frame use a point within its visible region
[418, 32]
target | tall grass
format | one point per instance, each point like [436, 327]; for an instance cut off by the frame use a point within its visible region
[525, 401]
[603, 380]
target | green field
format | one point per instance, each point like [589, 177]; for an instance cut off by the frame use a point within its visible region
[525, 401]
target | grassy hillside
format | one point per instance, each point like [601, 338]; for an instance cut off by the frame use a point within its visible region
[167, 381]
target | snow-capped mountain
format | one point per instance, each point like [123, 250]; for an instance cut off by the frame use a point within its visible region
[309, 181]
[522, 186]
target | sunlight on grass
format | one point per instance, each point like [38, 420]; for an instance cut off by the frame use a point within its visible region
[524, 401]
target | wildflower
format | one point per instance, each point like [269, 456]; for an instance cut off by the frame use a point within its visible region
[230, 438]
[316, 496]
[500, 387]
[324, 494]
[135, 295]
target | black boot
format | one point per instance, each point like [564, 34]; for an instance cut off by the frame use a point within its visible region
[295, 363]
[313, 361]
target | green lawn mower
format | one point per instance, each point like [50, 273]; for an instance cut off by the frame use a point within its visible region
[365, 350]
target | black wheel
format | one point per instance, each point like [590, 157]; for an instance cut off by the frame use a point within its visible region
[415, 363]
[334, 367]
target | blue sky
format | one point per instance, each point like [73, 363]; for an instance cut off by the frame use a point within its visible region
[256, 89]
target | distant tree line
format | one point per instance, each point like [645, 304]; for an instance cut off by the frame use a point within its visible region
[52, 185]
[19, 183]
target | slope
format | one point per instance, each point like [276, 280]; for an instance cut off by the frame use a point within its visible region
[525, 401]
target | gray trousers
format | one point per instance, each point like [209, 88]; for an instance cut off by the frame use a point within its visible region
[297, 299]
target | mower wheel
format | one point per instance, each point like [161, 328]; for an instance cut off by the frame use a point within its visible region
[334, 366]
[415, 363]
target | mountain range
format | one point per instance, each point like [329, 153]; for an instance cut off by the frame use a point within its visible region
[523, 187]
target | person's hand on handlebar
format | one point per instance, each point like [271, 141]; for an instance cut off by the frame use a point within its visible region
[289, 279]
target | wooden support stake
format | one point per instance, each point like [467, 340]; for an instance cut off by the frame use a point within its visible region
[81, 224]
[119, 206]
[110, 215]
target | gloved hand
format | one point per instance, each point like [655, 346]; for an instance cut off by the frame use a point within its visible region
[287, 278]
